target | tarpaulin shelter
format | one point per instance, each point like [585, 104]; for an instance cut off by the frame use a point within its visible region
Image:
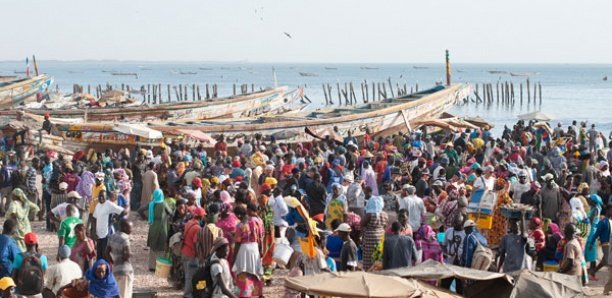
[546, 285]
[363, 284]
[484, 283]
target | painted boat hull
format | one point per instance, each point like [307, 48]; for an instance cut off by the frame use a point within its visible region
[399, 115]
[247, 105]
[16, 92]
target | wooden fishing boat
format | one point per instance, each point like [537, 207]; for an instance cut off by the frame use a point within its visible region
[15, 92]
[308, 74]
[246, 105]
[381, 117]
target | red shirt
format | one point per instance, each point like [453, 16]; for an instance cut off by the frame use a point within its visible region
[191, 236]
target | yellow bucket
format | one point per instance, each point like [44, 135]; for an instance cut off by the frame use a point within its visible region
[551, 266]
[163, 267]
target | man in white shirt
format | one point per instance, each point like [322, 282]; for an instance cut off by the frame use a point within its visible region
[280, 209]
[59, 212]
[519, 187]
[486, 181]
[101, 216]
[64, 272]
[415, 206]
[354, 195]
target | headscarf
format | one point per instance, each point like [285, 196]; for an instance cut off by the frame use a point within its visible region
[581, 187]
[597, 200]
[19, 194]
[158, 197]
[554, 229]
[103, 288]
[123, 183]
[226, 198]
[426, 233]
[375, 205]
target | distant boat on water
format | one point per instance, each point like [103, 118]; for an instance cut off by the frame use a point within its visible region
[368, 68]
[108, 70]
[206, 68]
[605, 78]
[188, 73]
[331, 68]
[308, 74]
[19, 72]
[130, 74]
[420, 67]
[497, 71]
[519, 74]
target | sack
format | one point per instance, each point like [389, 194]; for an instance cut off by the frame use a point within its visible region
[30, 277]
[482, 257]
[203, 283]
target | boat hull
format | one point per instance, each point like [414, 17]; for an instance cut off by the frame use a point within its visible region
[13, 94]
[237, 106]
[285, 129]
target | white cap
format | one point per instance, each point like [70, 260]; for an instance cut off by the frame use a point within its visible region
[469, 223]
[344, 227]
[63, 186]
[74, 194]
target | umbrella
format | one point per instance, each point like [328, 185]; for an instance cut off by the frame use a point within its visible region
[362, 284]
[137, 130]
[537, 115]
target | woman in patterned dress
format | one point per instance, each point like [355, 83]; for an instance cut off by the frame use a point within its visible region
[374, 224]
[248, 267]
[336, 206]
[500, 224]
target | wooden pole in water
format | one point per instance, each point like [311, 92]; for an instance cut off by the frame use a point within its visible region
[448, 69]
[35, 65]
[193, 92]
[416, 88]
[540, 89]
[186, 93]
[148, 92]
[353, 97]
[390, 87]
[325, 94]
[366, 91]
[497, 90]
[528, 93]
[521, 92]
[362, 93]
[329, 92]
[199, 95]
[169, 94]
[373, 91]
[535, 87]
[339, 95]
[207, 92]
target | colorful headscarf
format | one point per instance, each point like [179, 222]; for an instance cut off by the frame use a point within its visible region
[375, 205]
[19, 194]
[426, 233]
[105, 287]
[554, 229]
[226, 197]
[158, 197]
[582, 186]
[597, 200]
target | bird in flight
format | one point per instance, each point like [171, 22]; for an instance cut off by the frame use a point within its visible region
[288, 35]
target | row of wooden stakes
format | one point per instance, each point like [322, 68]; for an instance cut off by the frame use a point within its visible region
[154, 93]
[369, 92]
[504, 93]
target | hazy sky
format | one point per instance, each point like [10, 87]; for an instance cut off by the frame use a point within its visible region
[541, 31]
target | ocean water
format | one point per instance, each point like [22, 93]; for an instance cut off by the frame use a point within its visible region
[569, 92]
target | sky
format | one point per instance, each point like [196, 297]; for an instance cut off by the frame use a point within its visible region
[326, 31]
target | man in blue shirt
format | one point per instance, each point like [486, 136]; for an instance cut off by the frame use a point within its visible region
[472, 236]
[8, 248]
[603, 234]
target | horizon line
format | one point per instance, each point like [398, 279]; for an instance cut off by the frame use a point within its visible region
[292, 62]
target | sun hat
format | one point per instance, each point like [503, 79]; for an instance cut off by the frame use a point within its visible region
[6, 282]
[63, 186]
[74, 194]
[469, 223]
[344, 227]
[219, 242]
[30, 238]
[548, 176]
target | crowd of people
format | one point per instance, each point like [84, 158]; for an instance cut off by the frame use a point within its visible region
[359, 204]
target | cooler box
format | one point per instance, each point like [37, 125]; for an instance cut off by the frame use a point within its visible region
[482, 221]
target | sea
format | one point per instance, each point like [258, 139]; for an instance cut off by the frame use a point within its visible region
[569, 91]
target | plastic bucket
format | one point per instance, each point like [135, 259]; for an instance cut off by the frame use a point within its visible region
[163, 267]
[551, 266]
[282, 254]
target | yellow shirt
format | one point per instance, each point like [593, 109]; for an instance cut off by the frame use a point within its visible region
[95, 193]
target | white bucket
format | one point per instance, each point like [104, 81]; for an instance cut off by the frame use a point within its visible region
[282, 253]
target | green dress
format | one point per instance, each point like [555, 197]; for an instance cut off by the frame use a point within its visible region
[21, 210]
[157, 239]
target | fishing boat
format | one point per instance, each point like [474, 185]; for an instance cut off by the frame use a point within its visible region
[497, 71]
[15, 92]
[128, 74]
[331, 68]
[519, 74]
[368, 68]
[383, 117]
[420, 67]
[250, 104]
[308, 74]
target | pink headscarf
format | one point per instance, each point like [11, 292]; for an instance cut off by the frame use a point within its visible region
[226, 198]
